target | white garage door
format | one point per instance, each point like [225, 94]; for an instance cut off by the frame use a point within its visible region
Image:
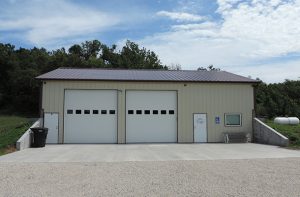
[90, 116]
[151, 116]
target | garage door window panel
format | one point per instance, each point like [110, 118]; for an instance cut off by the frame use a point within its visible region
[78, 111]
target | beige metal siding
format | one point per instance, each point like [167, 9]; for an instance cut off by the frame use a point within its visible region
[215, 99]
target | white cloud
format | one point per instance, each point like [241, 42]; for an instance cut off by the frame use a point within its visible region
[44, 22]
[270, 72]
[247, 33]
[272, 23]
[181, 16]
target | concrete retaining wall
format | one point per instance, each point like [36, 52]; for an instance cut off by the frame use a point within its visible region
[25, 140]
[266, 135]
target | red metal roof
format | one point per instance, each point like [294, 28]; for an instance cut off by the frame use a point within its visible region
[143, 75]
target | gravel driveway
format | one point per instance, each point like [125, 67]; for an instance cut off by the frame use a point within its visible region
[255, 177]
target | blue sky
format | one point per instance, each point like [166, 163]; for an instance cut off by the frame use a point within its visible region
[257, 38]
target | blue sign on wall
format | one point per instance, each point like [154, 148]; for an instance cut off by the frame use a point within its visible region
[217, 120]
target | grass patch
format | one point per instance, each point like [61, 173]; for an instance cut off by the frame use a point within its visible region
[290, 131]
[11, 129]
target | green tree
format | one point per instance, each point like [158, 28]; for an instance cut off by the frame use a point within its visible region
[133, 57]
[278, 99]
[7, 62]
[174, 67]
[111, 57]
[76, 50]
[209, 68]
[90, 49]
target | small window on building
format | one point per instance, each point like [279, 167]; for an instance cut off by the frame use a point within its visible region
[112, 111]
[78, 111]
[163, 112]
[95, 111]
[155, 112]
[138, 111]
[103, 112]
[147, 112]
[69, 111]
[171, 112]
[130, 111]
[86, 111]
[233, 119]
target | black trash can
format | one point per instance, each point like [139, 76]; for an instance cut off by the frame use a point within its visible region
[39, 136]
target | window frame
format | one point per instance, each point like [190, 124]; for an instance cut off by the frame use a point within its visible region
[232, 125]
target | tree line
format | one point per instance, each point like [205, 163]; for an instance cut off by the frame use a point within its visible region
[278, 99]
[19, 91]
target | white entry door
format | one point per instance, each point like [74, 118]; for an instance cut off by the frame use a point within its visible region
[200, 128]
[151, 116]
[51, 122]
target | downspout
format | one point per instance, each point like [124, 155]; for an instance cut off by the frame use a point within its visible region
[255, 107]
[41, 110]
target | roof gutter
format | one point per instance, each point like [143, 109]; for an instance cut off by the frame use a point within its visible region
[128, 80]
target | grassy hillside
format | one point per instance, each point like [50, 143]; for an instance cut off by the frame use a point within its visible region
[290, 131]
[11, 129]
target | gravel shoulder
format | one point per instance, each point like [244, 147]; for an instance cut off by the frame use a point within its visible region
[255, 177]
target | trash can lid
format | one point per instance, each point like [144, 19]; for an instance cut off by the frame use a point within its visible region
[39, 128]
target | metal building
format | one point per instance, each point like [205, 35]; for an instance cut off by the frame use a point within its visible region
[145, 106]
